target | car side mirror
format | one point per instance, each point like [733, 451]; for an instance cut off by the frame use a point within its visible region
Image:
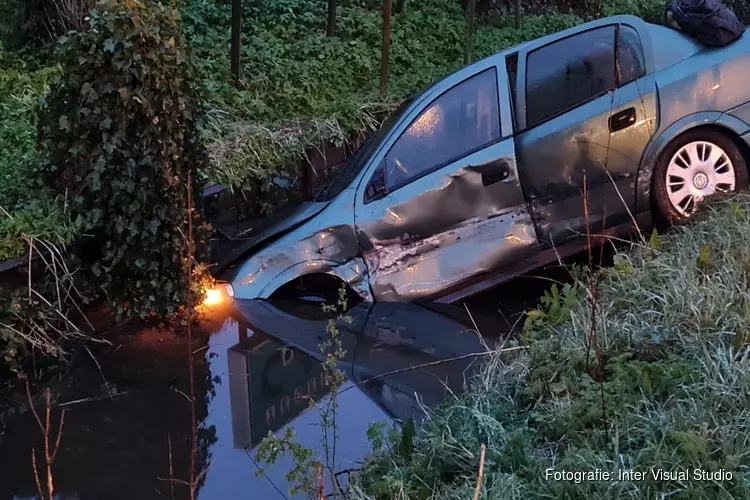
[376, 187]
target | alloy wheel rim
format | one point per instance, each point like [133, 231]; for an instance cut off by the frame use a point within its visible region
[698, 169]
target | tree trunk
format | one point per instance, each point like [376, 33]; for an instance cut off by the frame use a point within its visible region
[469, 30]
[400, 6]
[518, 13]
[331, 26]
[386, 46]
[236, 39]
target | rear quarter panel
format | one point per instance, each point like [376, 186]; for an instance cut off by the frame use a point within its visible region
[710, 80]
[708, 86]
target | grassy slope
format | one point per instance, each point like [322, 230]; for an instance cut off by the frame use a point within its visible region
[673, 327]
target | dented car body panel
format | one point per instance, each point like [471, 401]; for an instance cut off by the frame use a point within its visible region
[445, 227]
[489, 169]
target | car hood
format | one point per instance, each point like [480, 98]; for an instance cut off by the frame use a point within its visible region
[271, 228]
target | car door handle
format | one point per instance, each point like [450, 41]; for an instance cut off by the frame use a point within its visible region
[622, 119]
[493, 171]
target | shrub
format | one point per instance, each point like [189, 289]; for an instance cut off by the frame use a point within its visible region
[119, 134]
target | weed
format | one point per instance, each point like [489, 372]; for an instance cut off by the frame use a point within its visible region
[555, 307]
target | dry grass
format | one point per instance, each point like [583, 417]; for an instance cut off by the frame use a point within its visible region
[241, 151]
[40, 318]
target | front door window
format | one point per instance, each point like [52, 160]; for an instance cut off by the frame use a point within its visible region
[463, 120]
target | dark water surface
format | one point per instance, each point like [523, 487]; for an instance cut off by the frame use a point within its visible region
[255, 369]
[251, 379]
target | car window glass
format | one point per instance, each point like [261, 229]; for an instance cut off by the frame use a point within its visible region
[462, 120]
[376, 186]
[567, 73]
[630, 56]
[511, 65]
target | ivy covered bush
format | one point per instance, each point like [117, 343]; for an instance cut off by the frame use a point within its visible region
[118, 132]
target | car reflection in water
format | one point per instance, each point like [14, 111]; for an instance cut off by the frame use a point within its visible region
[399, 358]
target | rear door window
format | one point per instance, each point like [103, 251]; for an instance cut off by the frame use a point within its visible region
[630, 62]
[568, 73]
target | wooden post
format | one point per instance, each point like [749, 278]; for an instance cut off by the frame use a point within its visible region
[236, 39]
[331, 26]
[386, 46]
[518, 14]
[400, 6]
[469, 30]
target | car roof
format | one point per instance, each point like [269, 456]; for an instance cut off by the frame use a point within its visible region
[530, 45]
[448, 81]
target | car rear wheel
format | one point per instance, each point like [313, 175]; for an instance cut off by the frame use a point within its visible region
[696, 165]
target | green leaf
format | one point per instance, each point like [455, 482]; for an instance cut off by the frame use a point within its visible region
[739, 340]
[654, 242]
[153, 226]
[406, 445]
[646, 382]
[704, 257]
[63, 124]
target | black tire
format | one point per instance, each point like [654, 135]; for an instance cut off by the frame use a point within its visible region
[665, 212]
[311, 289]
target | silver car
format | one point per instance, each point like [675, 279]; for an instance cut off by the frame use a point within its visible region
[506, 164]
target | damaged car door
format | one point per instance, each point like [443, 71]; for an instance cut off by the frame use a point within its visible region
[442, 204]
[574, 130]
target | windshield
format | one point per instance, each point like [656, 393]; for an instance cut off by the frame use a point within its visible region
[356, 162]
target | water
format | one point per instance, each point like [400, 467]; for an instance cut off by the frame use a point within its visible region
[256, 368]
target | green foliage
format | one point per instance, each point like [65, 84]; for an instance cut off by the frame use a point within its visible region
[20, 89]
[653, 241]
[119, 132]
[406, 443]
[492, 39]
[555, 307]
[672, 391]
[301, 477]
[23, 209]
[704, 257]
[40, 219]
[650, 10]
[376, 435]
